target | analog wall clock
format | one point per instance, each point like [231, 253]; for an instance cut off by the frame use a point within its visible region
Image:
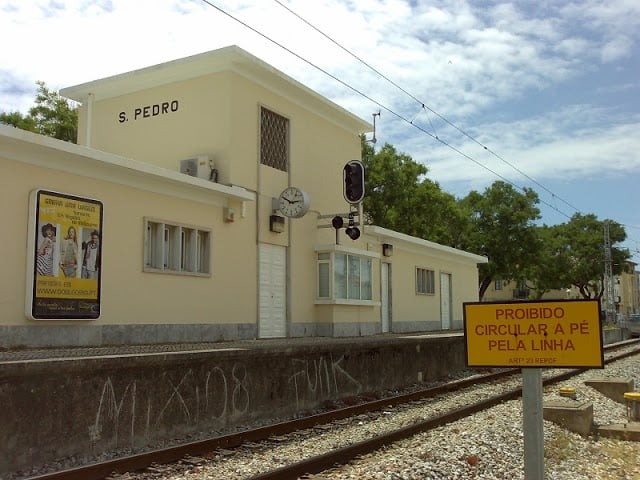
[293, 202]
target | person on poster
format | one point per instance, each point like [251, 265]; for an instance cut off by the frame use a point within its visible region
[69, 262]
[45, 251]
[91, 256]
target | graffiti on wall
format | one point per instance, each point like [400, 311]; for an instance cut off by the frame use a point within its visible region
[188, 400]
[215, 396]
[316, 379]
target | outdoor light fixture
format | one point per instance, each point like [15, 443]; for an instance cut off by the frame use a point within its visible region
[276, 223]
[387, 250]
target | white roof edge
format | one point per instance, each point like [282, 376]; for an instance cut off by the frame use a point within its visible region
[122, 83]
[385, 233]
[11, 137]
[230, 58]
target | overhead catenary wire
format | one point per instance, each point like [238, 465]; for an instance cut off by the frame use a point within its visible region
[424, 106]
[377, 103]
[400, 116]
[427, 109]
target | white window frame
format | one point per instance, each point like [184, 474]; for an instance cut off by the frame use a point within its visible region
[176, 248]
[354, 290]
[425, 281]
[324, 267]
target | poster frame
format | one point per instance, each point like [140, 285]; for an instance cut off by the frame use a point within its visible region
[73, 293]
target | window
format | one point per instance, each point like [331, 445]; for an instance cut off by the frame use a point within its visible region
[324, 268]
[425, 281]
[174, 248]
[274, 140]
[351, 277]
[498, 285]
[522, 291]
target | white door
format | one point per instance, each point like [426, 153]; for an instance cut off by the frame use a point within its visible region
[445, 300]
[385, 297]
[272, 322]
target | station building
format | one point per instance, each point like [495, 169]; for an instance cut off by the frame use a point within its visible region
[197, 207]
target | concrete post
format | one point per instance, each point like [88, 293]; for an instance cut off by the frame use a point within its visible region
[533, 423]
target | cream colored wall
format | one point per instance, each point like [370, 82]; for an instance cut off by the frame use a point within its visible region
[219, 115]
[200, 125]
[318, 150]
[505, 294]
[628, 291]
[129, 295]
[407, 305]
[318, 154]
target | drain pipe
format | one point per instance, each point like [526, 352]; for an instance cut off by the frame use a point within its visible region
[88, 131]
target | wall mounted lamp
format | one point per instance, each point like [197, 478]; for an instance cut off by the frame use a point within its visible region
[387, 250]
[276, 223]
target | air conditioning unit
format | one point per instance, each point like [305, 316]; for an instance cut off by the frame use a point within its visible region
[201, 167]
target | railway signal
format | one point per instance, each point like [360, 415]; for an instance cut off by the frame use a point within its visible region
[353, 176]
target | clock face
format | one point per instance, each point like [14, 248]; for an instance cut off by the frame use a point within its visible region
[293, 202]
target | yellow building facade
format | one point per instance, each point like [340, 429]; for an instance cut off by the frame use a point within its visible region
[186, 163]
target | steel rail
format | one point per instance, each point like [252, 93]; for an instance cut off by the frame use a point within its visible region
[101, 470]
[98, 471]
[344, 455]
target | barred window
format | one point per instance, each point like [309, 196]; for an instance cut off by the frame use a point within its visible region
[425, 281]
[274, 140]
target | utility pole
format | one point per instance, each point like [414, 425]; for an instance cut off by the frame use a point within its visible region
[608, 276]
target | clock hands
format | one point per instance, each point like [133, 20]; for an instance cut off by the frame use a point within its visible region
[293, 202]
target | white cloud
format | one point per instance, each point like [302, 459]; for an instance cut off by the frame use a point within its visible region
[458, 59]
[617, 48]
[550, 86]
[560, 144]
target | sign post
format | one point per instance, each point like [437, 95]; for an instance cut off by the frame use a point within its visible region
[532, 410]
[533, 335]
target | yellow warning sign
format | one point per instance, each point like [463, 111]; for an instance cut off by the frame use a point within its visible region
[534, 334]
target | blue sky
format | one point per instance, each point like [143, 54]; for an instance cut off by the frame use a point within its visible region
[550, 88]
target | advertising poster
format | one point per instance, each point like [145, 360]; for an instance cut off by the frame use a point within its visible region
[65, 246]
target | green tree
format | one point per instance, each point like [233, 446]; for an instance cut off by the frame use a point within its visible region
[502, 228]
[51, 115]
[400, 197]
[550, 270]
[18, 120]
[583, 237]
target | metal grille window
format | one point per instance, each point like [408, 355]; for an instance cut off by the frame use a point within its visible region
[173, 248]
[425, 281]
[274, 140]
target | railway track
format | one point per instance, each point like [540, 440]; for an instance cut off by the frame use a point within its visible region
[339, 455]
